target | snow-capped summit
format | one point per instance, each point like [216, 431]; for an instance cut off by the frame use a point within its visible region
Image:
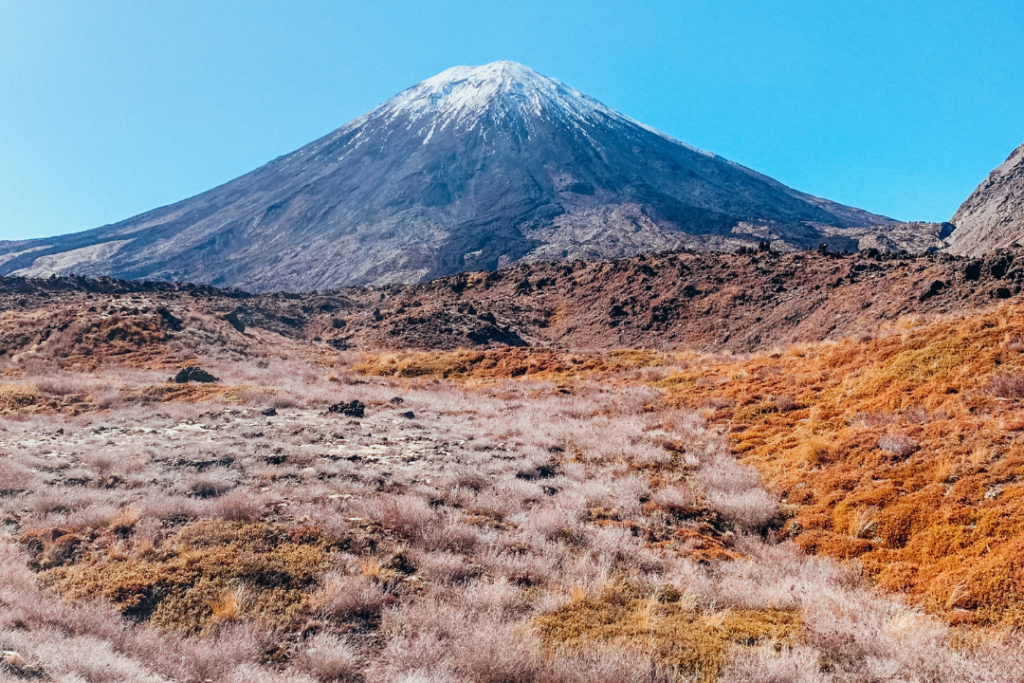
[463, 95]
[472, 169]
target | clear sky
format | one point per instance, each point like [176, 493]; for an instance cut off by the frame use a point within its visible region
[109, 108]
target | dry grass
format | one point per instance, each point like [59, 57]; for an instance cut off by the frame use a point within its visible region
[504, 363]
[83, 341]
[194, 518]
[208, 572]
[906, 452]
[683, 638]
[18, 397]
[1009, 385]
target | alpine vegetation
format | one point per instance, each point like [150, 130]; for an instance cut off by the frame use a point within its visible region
[575, 528]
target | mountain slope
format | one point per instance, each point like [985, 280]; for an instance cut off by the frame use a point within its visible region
[473, 169]
[993, 216]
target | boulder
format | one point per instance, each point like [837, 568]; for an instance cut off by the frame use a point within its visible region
[193, 373]
[233, 320]
[354, 408]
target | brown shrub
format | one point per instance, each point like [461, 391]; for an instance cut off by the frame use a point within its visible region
[238, 506]
[675, 500]
[328, 658]
[498, 653]
[15, 477]
[344, 598]
[409, 515]
[872, 419]
[208, 485]
[785, 403]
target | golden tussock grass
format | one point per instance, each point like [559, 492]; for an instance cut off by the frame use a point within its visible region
[504, 363]
[189, 393]
[209, 571]
[896, 451]
[637, 358]
[136, 341]
[669, 626]
[18, 397]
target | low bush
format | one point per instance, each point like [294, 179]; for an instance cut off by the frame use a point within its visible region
[900, 445]
[328, 658]
[238, 506]
[346, 598]
[1007, 385]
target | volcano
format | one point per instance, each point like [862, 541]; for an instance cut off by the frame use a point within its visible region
[473, 169]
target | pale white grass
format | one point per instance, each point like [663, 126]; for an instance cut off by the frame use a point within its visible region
[329, 659]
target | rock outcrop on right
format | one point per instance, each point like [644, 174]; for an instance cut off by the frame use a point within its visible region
[993, 216]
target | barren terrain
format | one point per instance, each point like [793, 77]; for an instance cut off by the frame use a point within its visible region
[746, 302]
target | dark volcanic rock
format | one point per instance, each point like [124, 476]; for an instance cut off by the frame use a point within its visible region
[354, 408]
[173, 322]
[754, 301]
[474, 169]
[235, 322]
[492, 335]
[934, 288]
[194, 374]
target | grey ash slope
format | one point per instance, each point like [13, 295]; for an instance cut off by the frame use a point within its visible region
[473, 169]
[993, 216]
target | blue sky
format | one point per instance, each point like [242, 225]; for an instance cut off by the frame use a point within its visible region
[112, 107]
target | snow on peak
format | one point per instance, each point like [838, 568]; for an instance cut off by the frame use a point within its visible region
[463, 94]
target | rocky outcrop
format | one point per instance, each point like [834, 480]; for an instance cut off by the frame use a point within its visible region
[993, 216]
[192, 373]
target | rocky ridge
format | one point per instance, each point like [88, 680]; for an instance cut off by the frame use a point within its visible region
[993, 216]
[742, 302]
